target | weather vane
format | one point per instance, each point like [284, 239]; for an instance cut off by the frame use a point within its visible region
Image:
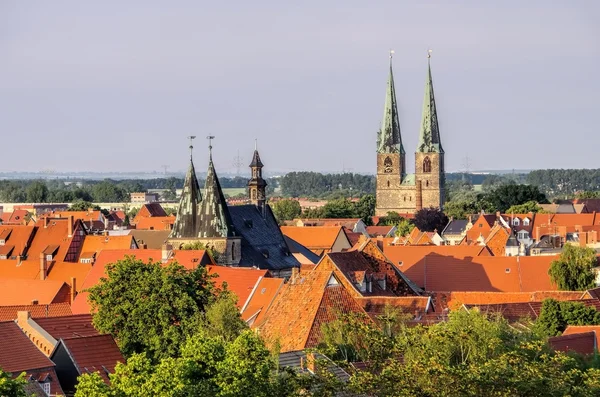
[191, 138]
[210, 138]
[255, 144]
[392, 53]
[429, 51]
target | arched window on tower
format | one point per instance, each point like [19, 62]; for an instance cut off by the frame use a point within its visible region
[388, 183]
[427, 183]
[427, 165]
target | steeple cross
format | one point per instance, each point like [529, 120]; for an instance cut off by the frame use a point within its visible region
[191, 138]
[210, 138]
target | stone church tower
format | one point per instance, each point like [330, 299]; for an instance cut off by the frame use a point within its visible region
[257, 185]
[398, 191]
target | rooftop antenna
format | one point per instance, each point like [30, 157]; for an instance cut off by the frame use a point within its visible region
[191, 138]
[210, 138]
[238, 163]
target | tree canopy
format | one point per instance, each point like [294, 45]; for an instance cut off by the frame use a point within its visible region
[574, 269]
[556, 316]
[430, 219]
[286, 209]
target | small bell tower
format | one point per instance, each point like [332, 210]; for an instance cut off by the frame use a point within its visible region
[257, 185]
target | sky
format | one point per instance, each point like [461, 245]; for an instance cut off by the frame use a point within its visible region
[119, 85]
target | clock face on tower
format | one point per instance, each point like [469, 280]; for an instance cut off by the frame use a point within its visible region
[387, 165]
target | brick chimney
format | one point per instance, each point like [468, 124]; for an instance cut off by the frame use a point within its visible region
[295, 275]
[311, 362]
[167, 252]
[73, 289]
[70, 222]
[46, 221]
[43, 266]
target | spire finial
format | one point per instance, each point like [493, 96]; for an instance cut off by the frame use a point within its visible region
[191, 138]
[255, 144]
[391, 56]
[429, 51]
[210, 138]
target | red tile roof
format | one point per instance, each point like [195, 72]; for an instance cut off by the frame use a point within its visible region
[150, 210]
[24, 292]
[375, 231]
[17, 236]
[517, 311]
[260, 299]
[453, 300]
[582, 343]
[56, 233]
[190, 259]
[579, 329]
[549, 223]
[18, 352]
[8, 313]
[239, 280]
[314, 237]
[68, 326]
[99, 243]
[155, 223]
[94, 354]
[375, 306]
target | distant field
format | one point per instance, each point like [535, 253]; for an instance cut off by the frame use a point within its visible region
[233, 191]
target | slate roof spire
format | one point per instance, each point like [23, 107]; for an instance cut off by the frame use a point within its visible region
[429, 138]
[214, 220]
[185, 225]
[256, 158]
[389, 139]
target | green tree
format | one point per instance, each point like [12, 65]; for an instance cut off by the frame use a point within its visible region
[404, 227]
[81, 205]
[108, 191]
[92, 385]
[430, 219]
[10, 387]
[574, 269]
[365, 208]
[222, 318]
[286, 209]
[148, 307]
[505, 196]
[555, 316]
[340, 208]
[37, 192]
[525, 208]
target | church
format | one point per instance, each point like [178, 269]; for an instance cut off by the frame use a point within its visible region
[240, 235]
[398, 191]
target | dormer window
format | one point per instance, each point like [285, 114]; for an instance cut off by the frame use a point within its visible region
[526, 222]
[2, 242]
[516, 222]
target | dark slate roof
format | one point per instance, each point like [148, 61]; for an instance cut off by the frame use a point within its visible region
[296, 247]
[154, 239]
[263, 245]
[185, 224]
[512, 240]
[456, 226]
[214, 219]
[256, 160]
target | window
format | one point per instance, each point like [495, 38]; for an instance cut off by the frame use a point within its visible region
[232, 251]
[526, 222]
[516, 222]
[46, 387]
[404, 198]
[388, 183]
[49, 257]
[2, 242]
[427, 183]
[387, 165]
[427, 165]
[523, 234]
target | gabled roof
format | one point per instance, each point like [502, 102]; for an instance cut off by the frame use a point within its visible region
[313, 237]
[582, 343]
[36, 311]
[456, 226]
[520, 310]
[18, 353]
[260, 300]
[17, 217]
[185, 225]
[152, 239]
[263, 245]
[384, 231]
[156, 223]
[239, 280]
[579, 329]
[68, 326]
[54, 234]
[98, 353]
[24, 292]
[302, 307]
[301, 253]
[19, 237]
[99, 243]
[65, 271]
[150, 210]
[454, 299]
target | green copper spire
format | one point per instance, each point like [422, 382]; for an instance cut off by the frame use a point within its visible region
[389, 139]
[185, 224]
[429, 139]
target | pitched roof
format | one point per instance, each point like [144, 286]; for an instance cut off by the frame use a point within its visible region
[239, 280]
[150, 210]
[375, 231]
[156, 223]
[24, 292]
[547, 223]
[263, 245]
[189, 206]
[579, 329]
[257, 305]
[256, 160]
[214, 219]
[66, 271]
[300, 252]
[99, 243]
[518, 310]
[302, 306]
[97, 353]
[19, 237]
[151, 239]
[190, 259]
[454, 299]
[389, 139]
[429, 137]
[36, 311]
[456, 226]
[313, 237]
[18, 353]
[582, 343]
[55, 233]
[68, 326]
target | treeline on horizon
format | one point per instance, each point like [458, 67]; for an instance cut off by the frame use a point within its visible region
[555, 183]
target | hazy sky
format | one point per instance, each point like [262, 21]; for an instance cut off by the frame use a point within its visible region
[118, 85]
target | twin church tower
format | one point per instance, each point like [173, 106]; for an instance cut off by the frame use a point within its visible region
[398, 191]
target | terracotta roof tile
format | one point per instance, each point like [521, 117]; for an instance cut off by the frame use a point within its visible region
[99, 243]
[375, 231]
[65, 271]
[517, 311]
[260, 299]
[18, 352]
[239, 280]
[150, 210]
[68, 326]
[582, 343]
[313, 237]
[452, 300]
[96, 353]
[375, 306]
[17, 236]
[56, 233]
[578, 329]
[155, 223]
[8, 313]
[24, 292]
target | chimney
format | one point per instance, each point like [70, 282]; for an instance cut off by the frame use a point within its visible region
[311, 363]
[43, 266]
[46, 221]
[70, 222]
[22, 318]
[295, 274]
[34, 302]
[167, 252]
[419, 196]
[73, 289]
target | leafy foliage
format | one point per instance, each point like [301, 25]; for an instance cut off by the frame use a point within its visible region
[556, 316]
[404, 226]
[430, 219]
[314, 184]
[525, 208]
[12, 387]
[573, 270]
[286, 209]
[505, 196]
[150, 308]
[565, 182]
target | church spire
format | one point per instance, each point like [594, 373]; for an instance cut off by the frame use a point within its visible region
[185, 225]
[389, 139]
[214, 220]
[257, 185]
[429, 139]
